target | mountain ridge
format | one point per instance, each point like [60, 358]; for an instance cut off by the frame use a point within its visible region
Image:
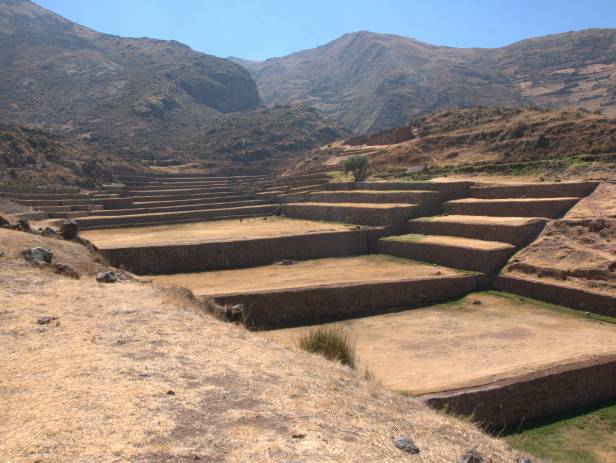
[372, 81]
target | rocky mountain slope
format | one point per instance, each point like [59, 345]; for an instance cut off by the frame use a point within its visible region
[373, 81]
[32, 157]
[140, 98]
[482, 136]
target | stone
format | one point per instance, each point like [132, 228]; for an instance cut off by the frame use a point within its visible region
[69, 230]
[39, 256]
[4, 222]
[298, 435]
[471, 456]
[46, 320]
[106, 277]
[23, 225]
[524, 460]
[286, 262]
[476, 302]
[65, 270]
[406, 444]
[235, 313]
[170, 392]
[49, 232]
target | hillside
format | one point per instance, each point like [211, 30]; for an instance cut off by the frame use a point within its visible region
[130, 372]
[264, 139]
[32, 157]
[374, 81]
[487, 136]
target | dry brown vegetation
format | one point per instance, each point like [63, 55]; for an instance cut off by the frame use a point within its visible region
[132, 372]
[579, 251]
[495, 138]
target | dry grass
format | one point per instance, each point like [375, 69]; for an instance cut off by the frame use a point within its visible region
[95, 387]
[332, 342]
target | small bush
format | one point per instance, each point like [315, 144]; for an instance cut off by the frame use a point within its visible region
[358, 166]
[332, 342]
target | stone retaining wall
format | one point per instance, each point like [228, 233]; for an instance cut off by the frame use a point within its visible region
[185, 258]
[517, 235]
[504, 405]
[553, 293]
[391, 217]
[319, 304]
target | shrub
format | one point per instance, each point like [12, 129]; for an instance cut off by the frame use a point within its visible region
[333, 343]
[358, 166]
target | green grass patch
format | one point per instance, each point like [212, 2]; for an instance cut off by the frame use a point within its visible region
[411, 237]
[332, 342]
[584, 436]
[553, 307]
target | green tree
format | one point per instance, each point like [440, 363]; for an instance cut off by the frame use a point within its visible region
[357, 165]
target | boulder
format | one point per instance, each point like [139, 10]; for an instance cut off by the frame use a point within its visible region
[4, 223]
[41, 256]
[406, 444]
[23, 225]
[106, 277]
[471, 456]
[65, 270]
[46, 320]
[49, 232]
[69, 230]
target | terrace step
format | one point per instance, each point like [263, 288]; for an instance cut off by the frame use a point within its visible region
[533, 190]
[237, 249]
[320, 290]
[189, 202]
[448, 190]
[97, 222]
[180, 208]
[381, 214]
[55, 202]
[518, 207]
[376, 196]
[163, 192]
[513, 230]
[186, 196]
[451, 251]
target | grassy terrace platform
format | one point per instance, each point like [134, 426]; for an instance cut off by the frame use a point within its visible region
[200, 232]
[226, 244]
[326, 289]
[511, 353]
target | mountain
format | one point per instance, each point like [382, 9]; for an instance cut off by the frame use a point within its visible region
[374, 81]
[133, 96]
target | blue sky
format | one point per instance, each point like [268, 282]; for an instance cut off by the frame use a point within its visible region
[259, 29]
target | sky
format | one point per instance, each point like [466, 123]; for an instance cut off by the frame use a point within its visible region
[260, 29]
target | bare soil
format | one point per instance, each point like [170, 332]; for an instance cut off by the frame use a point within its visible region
[579, 253]
[454, 241]
[317, 272]
[600, 204]
[129, 372]
[463, 344]
[359, 205]
[482, 219]
[215, 231]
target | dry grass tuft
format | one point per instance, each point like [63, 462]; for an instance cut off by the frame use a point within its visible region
[333, 342]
